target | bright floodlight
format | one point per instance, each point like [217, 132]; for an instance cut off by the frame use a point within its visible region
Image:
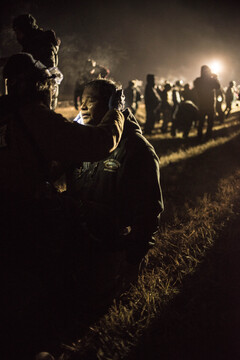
[216, 67]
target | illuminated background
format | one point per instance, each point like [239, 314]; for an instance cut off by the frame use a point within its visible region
[170, 39]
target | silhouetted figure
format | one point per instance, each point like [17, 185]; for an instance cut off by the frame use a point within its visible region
[42, 45]
[185, 116]
[90, 71]
[132, 96]
[152, 101]
[38, 240]
[176, 99]
[166, 106]
[176, 94]
[205, 86]
[229, 97]
[187, 94]
[219, 103]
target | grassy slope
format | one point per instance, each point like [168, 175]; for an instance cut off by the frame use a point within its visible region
[190, 284]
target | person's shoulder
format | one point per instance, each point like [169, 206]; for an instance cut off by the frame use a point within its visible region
[138, 144]
[197, 81]
[52, 37]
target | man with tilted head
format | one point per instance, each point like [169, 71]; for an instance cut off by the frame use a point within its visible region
[121, 195]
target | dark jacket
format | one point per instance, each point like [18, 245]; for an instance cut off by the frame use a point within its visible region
[132, 97]
[42, 45]
[205, 87]
[151, 97]
[121, 194]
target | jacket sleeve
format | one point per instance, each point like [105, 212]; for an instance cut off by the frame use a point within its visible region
[140, 185]
[143, 196]
[61, 140]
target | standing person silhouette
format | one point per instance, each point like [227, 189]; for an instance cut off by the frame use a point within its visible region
[229, 97]
[152, 100]
[205, 87]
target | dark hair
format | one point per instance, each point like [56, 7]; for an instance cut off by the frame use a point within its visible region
[24, 22]
[106, 87]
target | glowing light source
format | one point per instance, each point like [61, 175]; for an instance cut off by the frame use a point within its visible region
[215, 67]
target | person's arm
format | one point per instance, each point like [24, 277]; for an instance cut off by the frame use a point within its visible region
[142, 195]
[61, 140]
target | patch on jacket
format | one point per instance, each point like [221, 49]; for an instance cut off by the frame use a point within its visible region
[3, 131]
[111, 165]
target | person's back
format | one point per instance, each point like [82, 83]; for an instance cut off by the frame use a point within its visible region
[166, 106]
[132, 96]
[205, 86]
[230, 94]
[229, 97]
[151, 96]
[152, 101]
[188, 94]
[186, 115]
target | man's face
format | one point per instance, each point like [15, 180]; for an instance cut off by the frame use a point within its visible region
[93, 106]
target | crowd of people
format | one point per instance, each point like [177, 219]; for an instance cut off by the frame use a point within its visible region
[179, 106]
[78, 248]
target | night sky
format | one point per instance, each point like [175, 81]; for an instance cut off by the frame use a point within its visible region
[170, 39]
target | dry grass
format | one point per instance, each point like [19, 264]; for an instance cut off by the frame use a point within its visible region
[183, 244]
[177, 254]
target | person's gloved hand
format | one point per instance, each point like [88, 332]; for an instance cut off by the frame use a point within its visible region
[117, 101]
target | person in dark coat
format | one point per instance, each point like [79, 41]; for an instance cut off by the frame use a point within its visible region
[38, 235]
[132, 96]
[185, 116]
[205, 87]
[229, 98]
[42, 45]
[152, 102]
[121, 196]
[187, 94]
[165, 106]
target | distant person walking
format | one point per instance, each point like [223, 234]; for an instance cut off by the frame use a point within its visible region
[205, 86]
[166, 106]
[229, 97]
[152, 100]
[132, 96]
